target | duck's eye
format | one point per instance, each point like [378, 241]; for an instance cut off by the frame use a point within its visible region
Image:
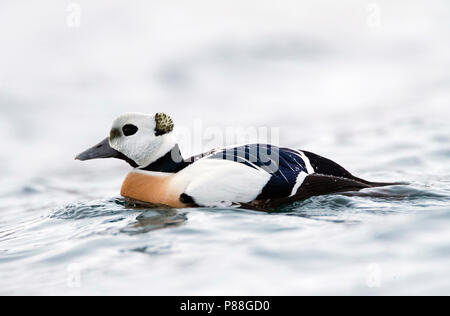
[129, 129]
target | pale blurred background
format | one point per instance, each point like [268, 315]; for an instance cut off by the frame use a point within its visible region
[69, 68]
[365, 83]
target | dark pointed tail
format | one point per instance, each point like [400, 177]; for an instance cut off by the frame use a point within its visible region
[378, 184]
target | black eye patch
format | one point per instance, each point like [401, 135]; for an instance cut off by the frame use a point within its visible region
[129, 129]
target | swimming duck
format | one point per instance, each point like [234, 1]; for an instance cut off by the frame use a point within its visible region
[257, 176]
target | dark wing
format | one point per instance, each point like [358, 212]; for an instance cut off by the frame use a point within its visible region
[329, 177]
[322, 165]
[314, 184]
[283, 164]
[320, 175]
[319, 184]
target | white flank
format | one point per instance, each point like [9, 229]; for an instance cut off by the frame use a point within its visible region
[211, 182]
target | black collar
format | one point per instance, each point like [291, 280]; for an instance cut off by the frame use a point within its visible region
[172, 161]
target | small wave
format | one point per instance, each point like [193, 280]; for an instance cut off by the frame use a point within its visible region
[351, 207]
[149, 217]
[399, 192]
[98, 208]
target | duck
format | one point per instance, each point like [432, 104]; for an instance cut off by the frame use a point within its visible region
[256, 176]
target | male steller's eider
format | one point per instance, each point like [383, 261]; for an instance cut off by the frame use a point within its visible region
[258, 176]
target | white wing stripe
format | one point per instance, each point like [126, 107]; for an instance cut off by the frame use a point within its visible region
[298, 182]
[309, 168]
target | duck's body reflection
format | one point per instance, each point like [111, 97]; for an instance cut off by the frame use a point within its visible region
[153, 217]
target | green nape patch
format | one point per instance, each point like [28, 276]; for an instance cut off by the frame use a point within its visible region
[164, 124]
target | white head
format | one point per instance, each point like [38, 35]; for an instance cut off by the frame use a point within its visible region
[136, 137]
